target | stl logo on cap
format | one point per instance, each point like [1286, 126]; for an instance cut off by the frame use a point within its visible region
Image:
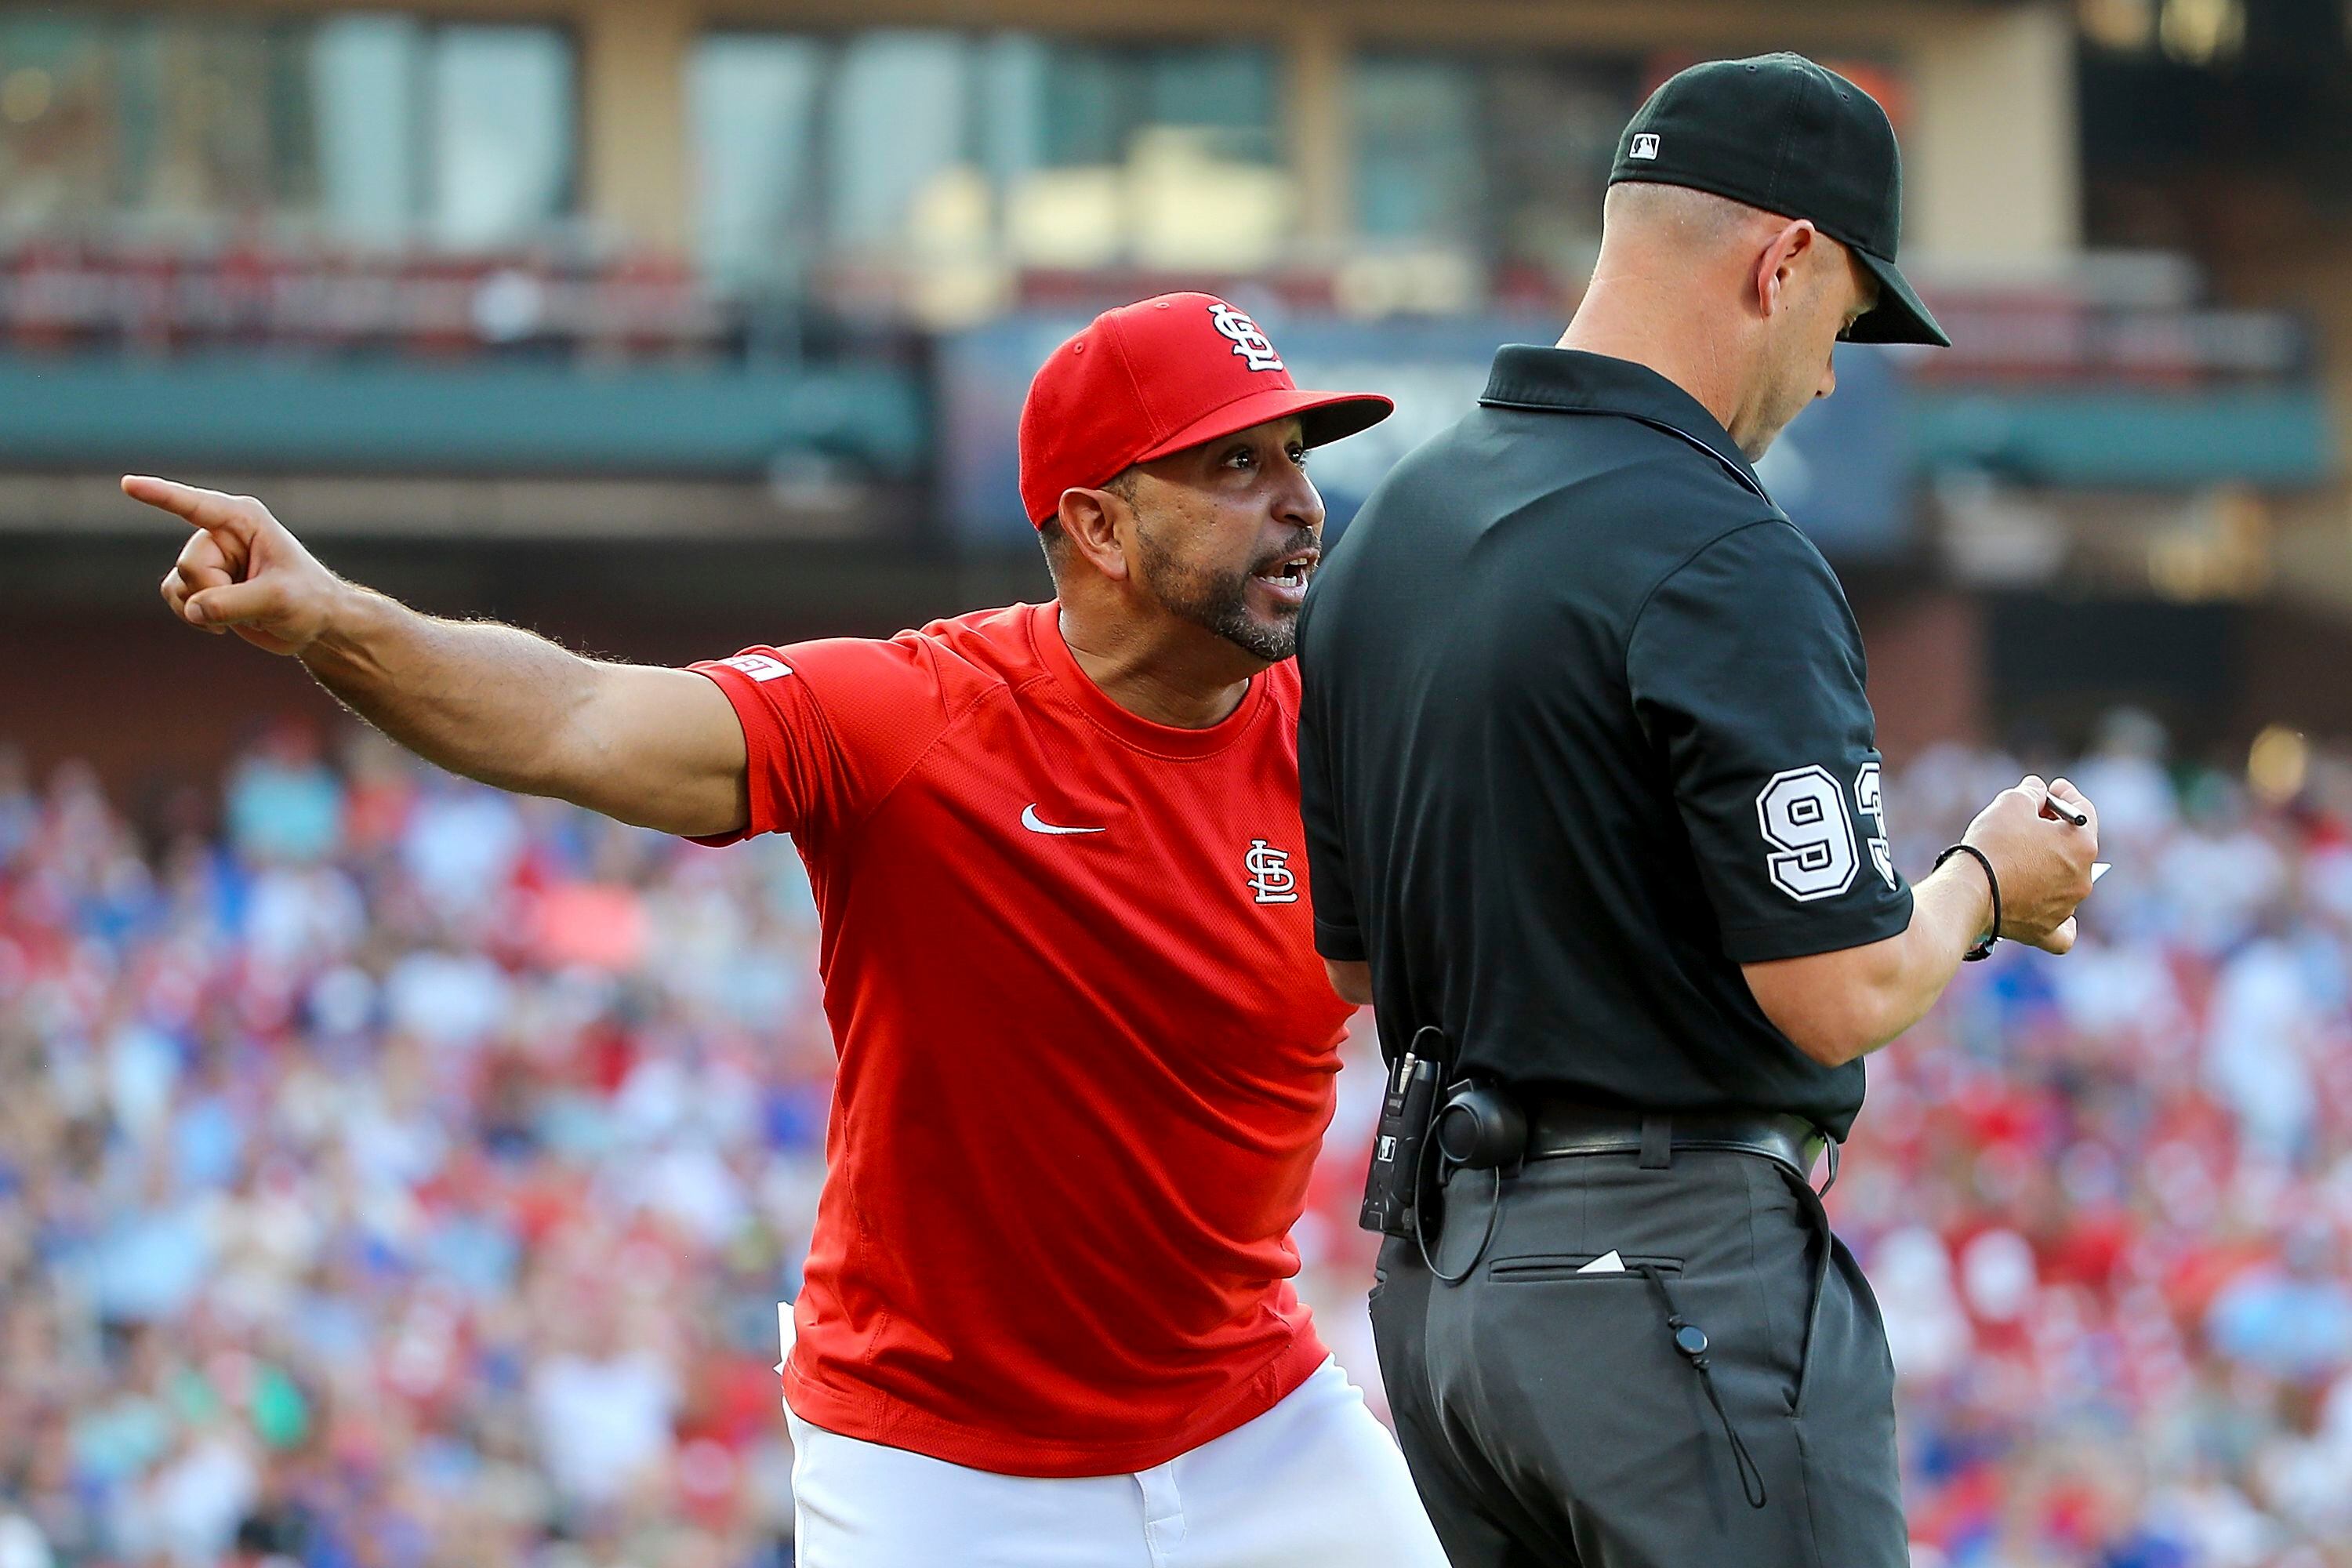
[1143, 381]
[1248, 342]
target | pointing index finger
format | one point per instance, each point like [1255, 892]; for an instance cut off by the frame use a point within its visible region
[208, 509]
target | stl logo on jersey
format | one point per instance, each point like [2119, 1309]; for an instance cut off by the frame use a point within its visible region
[1248, 342]
[1270, 875]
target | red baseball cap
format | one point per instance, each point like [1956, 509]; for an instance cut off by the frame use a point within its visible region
[1157, 376]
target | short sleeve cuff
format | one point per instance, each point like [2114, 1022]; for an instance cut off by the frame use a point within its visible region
[759, 726]
[1802, 936]
[1341, 944]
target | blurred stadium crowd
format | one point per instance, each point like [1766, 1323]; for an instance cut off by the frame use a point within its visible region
[403, 1175]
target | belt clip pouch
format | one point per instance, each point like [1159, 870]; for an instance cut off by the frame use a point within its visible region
[1482, 1127]
[1392, 1184]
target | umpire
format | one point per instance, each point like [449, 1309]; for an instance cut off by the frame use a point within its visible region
[1593, 806]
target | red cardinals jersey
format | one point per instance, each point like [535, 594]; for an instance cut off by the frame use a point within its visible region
[1086, 1048]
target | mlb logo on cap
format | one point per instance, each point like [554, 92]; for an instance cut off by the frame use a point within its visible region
[1644, 146]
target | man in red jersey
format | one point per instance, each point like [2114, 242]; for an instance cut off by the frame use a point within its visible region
[1085, 1046]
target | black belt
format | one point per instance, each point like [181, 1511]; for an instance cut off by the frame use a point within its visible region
[1558, 1128]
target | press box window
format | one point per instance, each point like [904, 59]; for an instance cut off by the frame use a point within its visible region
[932, 162]
[1495, 162]
[360, 128]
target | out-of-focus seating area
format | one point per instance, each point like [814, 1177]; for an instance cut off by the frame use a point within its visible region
[403, 1174]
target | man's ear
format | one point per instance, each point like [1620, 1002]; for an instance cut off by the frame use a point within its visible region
[1092, 522]
[1793, 247]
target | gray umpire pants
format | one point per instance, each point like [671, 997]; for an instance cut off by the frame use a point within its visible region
[1549, 1417]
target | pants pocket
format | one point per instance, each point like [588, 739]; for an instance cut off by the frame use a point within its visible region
[1820, 1247]
[1572, 1265]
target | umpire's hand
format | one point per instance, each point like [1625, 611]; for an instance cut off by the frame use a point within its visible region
[2044, 860]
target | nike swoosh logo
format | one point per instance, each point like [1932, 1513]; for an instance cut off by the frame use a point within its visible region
[1030, 820]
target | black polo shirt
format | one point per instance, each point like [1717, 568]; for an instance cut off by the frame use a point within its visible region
[1583, 730]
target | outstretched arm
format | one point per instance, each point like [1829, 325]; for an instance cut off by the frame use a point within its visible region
[658, 748]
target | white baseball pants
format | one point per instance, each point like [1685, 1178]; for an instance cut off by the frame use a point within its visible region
[1315, 1482]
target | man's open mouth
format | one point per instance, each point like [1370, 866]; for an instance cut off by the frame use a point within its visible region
[1291, 571]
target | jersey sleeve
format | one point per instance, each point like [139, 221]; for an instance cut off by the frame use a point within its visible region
[1337, 934]
[1746, 671]
[830, 728]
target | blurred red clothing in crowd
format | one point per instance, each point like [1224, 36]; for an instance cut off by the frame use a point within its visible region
[404, 1174]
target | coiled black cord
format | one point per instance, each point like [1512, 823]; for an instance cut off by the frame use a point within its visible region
[1422, 1190]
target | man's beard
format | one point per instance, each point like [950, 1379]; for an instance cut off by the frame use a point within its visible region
[1218, 602]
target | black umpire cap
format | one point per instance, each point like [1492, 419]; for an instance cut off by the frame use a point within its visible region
[1780, 132]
